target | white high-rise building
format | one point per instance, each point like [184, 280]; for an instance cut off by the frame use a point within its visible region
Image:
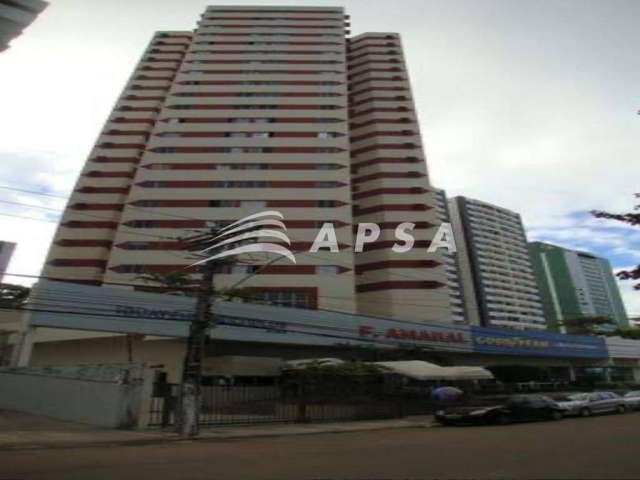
[496, 265]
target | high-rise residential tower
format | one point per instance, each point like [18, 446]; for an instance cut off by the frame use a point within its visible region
[576, 285]
[496, 274]
[263, 108]
[15, 16]
[460, 313]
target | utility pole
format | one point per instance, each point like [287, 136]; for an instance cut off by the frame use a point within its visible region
[190, 390]
[189, 403]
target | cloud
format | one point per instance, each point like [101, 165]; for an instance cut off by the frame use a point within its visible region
[530, 106]
[631, 298]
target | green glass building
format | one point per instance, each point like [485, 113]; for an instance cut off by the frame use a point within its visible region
[575, 284]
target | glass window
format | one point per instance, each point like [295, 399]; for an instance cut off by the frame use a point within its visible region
[254, 204]
[327, 269]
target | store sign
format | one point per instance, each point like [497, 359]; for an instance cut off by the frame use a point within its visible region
[126, 311]
[415, 335]
[536, 343]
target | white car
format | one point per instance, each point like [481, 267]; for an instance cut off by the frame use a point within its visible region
[632, 399]
[586, 404]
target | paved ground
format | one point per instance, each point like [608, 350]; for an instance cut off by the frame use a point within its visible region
[591, 448]
[20, 431]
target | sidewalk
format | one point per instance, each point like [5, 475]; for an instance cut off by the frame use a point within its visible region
[20, 431]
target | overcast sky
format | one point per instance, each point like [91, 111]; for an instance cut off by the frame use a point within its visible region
[527, 104]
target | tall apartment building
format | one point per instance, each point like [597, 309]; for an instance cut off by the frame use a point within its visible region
[496, 273]
[15, 16]
[459, 311]
[6, 252]
[263, 108]
[576, 284]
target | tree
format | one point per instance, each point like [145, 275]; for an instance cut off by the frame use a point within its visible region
[632, 219]
[585, 325]
[630, 333]
[13, 296]
[176, 283]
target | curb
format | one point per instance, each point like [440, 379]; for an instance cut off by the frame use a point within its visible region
[141, 442]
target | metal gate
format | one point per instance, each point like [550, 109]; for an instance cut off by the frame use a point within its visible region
[228, 405]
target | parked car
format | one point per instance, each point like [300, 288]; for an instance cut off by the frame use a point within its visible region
[517, 408]
[586, 404]
[632, 399]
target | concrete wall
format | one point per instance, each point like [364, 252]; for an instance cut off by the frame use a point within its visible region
[105, 396]
[162, 354]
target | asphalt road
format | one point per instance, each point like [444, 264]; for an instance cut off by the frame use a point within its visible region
[605, 447]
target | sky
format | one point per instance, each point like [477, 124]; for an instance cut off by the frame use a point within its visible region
[531, 105]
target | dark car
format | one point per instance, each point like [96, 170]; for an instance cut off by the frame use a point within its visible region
[517, 408]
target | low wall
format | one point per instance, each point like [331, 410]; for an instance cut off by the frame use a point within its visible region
[115, 396]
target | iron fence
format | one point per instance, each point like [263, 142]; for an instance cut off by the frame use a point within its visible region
[228, 405]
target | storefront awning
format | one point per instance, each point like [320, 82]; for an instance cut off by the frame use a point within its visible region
[419, 370]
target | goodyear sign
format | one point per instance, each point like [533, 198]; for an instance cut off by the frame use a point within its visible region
[536, 344]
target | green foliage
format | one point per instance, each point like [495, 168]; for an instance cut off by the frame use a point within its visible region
[633, 219]
[235, 294]
[347, 380]
[13, 296]
[177, 283]
[631, 333]
[586, 325]
[347, 369]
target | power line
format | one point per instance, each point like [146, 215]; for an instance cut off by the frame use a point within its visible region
[29, 218]
[136, 319]
[222, 295]
[315, 255]
[100, 217]
[4, 187]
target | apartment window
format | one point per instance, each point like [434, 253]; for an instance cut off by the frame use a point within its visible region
[285, 298]
[254, 204]
[261, 135]
[137, 245]
[327, 269]
[324, 135]
[326, 203]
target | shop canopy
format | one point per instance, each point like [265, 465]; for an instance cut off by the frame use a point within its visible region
[416, 369]
[308, 362]
[419, 370]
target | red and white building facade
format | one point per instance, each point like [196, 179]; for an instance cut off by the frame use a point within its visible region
[263, 108]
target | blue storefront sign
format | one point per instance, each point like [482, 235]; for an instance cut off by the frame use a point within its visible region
[500, 341]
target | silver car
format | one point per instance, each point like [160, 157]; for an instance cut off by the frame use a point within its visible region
[632, 399]
[586, 404]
